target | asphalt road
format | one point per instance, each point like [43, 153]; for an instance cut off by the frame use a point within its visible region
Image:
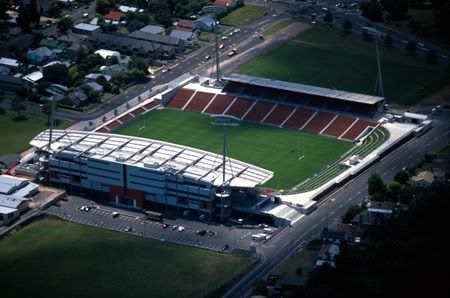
[335, 205]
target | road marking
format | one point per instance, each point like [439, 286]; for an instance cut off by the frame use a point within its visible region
[340, 206]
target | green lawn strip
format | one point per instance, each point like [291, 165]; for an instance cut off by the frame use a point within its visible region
[275, 149]
[53, 258]
[17, 134]
[243, 15]
[277, 27]
[323, 57]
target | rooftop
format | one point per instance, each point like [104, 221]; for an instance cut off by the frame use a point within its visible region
[86, 27]
[312, 90]
[157, 38]
[9, 62]
[6, 210]
[152, 29]
[114, 15]
[155, 155]
[181, 34]
[7, 183]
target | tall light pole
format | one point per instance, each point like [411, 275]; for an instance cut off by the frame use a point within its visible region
[225, 121]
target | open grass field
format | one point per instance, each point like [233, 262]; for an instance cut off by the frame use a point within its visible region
[17, 134]
[243, 15]
[275, 149]
[53, 258]
[323, 57]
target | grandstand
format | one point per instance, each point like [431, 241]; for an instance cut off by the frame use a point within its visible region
[339, 114]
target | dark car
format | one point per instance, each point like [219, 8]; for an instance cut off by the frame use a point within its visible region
[225, 247]
[201, 232]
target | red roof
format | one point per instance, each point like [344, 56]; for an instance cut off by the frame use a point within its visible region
[114, 15]
[186, 24]
[223, 2]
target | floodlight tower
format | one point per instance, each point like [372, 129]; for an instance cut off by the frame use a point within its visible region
[223, 191]
[216, 10]
[379, 90]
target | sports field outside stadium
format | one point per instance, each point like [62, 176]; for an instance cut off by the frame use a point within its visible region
[293, 156]
[55, 258]
[325, 57]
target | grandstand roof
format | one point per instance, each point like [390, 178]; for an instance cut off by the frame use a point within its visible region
[307, 89]
[155, 155]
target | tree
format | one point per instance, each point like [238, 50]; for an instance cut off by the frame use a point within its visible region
[54, 11]
[260, 287]
[299, 271]
[55, 73]
[102, 6]
[328, 17]
[135, 25]
[3, 9]
[102, 81]
[394, 190]
[432, 57]
[23, 18]
[411, 48]
[350, 214]
[376, 184]
[138, 63]
[34, 13]
[401, 177]
[347, 26]
[388, 40]
[397, 9]
[372, 10]
[65, 24]
[441, 13]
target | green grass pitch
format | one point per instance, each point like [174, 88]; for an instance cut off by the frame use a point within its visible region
[276, 149]
[53, 258]
[324, 57]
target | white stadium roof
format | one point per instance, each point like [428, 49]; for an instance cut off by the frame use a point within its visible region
[156, 155]
[307, 89]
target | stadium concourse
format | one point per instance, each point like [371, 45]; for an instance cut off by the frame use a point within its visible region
[339, 114]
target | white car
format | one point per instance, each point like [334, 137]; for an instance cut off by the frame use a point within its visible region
[224, 37]
[207, 57]
[85, 15]
[231, 33]
[181, 229]
[221, 46]
[236, 30]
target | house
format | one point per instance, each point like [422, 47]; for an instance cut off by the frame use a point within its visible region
[164, 40]
[441, 167]
[379, 211]
[205, 23]
[423, 179]
[12, 83]
[52, 44]
[131, 46]
[94, 76]
[114, 15]
[41, 5]
[353, 234]
[41, 55]
[112, 69]
[33, 77]
[230, 4]
[17, 187]
[186, 25]
[190, 38]
[333, 235]
[57, 89]
[95, 86]
[14, 203]
[152, 29]
[327, 254]
[85, 29]
[126, 9]
[107, 53]
[9, 63]
[75, 98]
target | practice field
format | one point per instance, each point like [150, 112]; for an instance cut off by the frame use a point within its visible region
[53, 258]
[291, 155]
[16, 134]
[323, 57]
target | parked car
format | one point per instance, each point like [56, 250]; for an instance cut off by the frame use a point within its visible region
[115, 214]
[174, 227]
[201, 232]
[164, 226]
[225, 247]
[181, 229]
[128, 229]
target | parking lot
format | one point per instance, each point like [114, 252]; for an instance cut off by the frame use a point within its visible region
[179, 230]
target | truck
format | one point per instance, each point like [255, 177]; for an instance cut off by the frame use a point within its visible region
[154, 216]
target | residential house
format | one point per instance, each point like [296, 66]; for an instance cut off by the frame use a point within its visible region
[423, 179]
[8, 215]
[94, 76]
[107, 53]
[8, 161]
[205, 23]
[95, 86]
[441, 167]
[352, 234]
[9, 63]
[190, 38]
[12, 83]
[153, 29]
[33, 77]
[52, 44]
[114, 15]
[42, 55]
[164, 40]
[85, 29]
[75, 98]
[327, 254]
[186, 25]
[379, 211]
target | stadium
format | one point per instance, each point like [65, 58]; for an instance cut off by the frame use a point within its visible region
[293, 143]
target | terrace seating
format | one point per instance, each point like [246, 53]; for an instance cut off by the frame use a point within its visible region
[259, 111]
[339, 126]
[181, 98]
[126, 118]
[220, 104]
[150, 105]
[103, 129]
[199, 101]
[319, 122]
[357, 128]
[299, 118]
[239, 107]
[138, 111]
[113, 125]
[279, 114]
[316, 101]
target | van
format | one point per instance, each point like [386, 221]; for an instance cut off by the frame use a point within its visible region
[268, 230]
[259, 237]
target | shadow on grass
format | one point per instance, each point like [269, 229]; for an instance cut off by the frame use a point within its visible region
[20, 118]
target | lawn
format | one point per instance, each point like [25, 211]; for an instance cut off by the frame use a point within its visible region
[324, 57]
[275, 149]
[243, 15]
[17, 134]
[277, 27]
[53, 258]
